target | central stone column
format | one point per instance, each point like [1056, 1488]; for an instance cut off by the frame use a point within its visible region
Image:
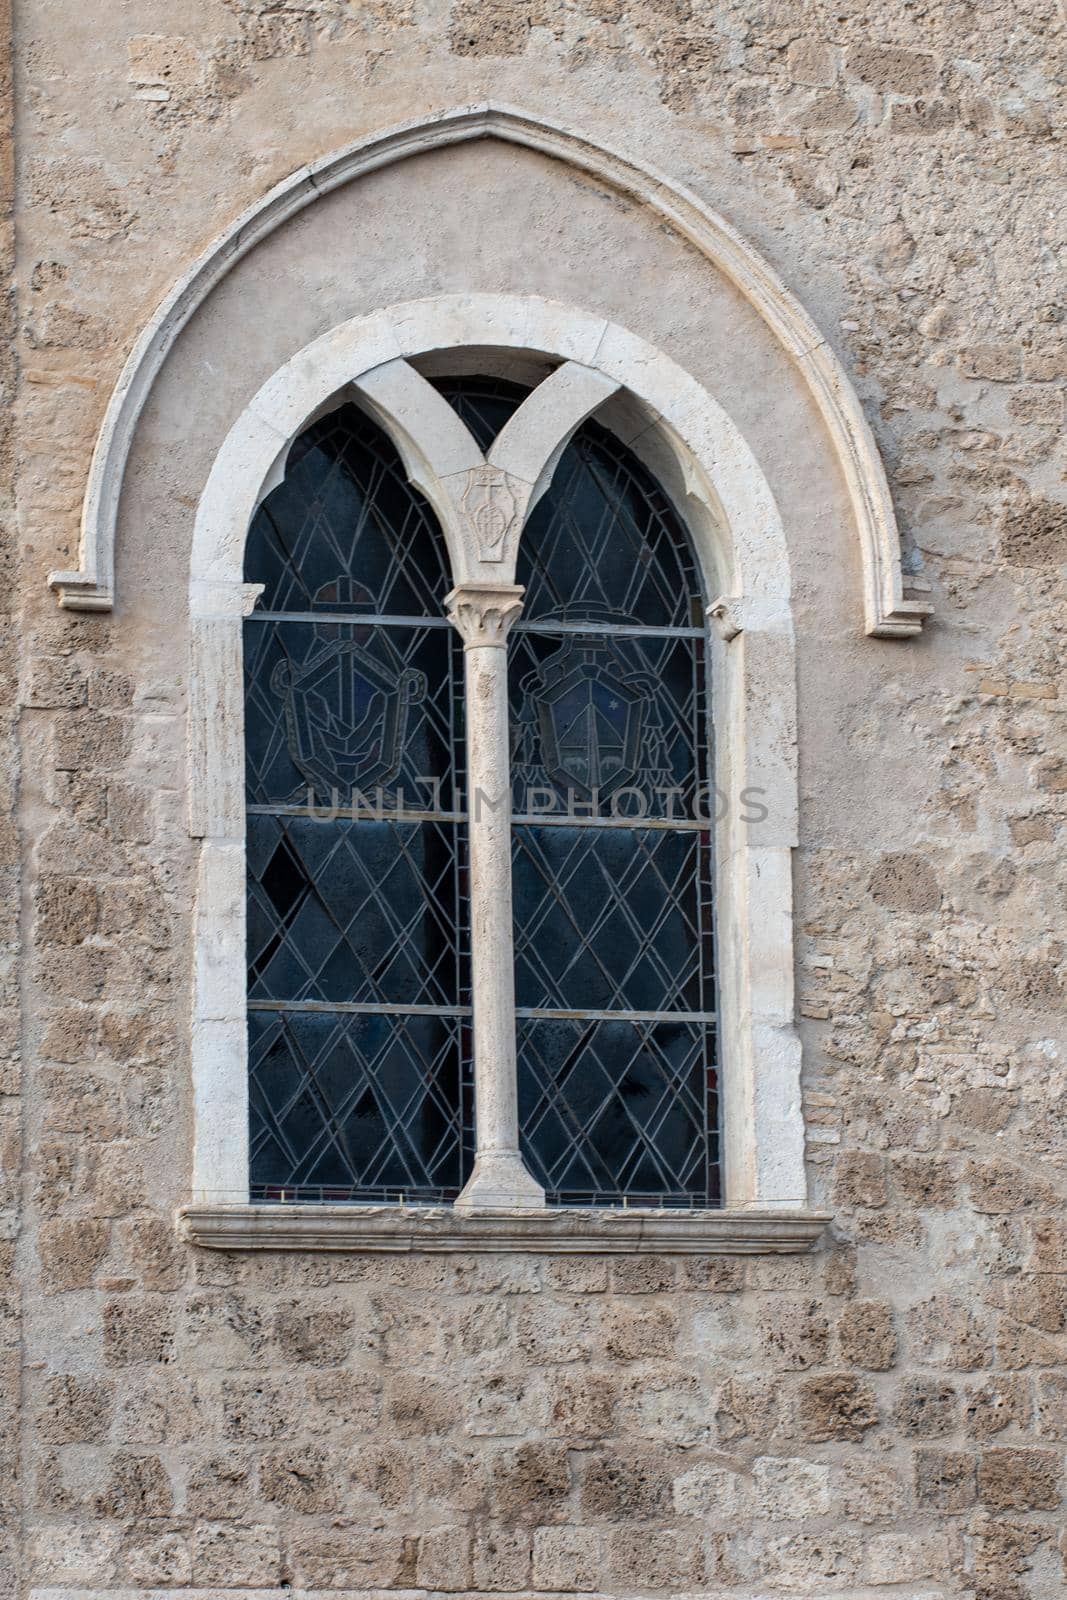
[483, 614]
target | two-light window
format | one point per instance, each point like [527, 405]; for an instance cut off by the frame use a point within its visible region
[362, 1032]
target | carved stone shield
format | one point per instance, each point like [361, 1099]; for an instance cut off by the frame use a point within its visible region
[590, 710]
[346, 708]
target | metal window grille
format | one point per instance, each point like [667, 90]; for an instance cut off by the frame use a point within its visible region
[358, 945]
[358, 988]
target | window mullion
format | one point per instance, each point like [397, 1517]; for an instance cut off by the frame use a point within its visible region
[483, 614]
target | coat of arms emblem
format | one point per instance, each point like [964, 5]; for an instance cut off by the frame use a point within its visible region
[589, 721]
[347, 702]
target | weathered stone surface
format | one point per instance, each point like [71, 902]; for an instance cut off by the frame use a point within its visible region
[867, 1335]
[74, 1410]
[926, 1408]
[1020, 1480]
[887, 1414]
[835, 1406]
[944, 1479]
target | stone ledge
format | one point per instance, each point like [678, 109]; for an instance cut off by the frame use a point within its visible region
[555, 1231]
[274, 1591]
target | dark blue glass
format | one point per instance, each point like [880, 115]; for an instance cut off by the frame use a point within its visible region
[617, 1109]
[607, 717]
[612, 861]
[356, 912]
[359, 1045]
[345, 531]
[359, 1002]
[606, 919]
[484, 405]
[338, 712]
[349, 1105]
[606, 542]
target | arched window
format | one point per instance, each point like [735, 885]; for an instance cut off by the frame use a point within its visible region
[359, 1005]
[612, 857]
[466, 606]
[356, 915]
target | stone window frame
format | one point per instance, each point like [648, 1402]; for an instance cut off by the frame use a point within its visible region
[699, 455]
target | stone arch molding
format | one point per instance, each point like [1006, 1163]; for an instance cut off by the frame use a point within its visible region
[888, 612]
[482, 502]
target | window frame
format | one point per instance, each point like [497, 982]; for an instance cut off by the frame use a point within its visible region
[705, 466]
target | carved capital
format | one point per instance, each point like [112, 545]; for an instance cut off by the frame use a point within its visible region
[483, 612]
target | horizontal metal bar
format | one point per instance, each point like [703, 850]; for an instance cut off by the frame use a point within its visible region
[537, 1013]
[348, 1194]
[535, 819]
[349, 619]
[540, 1013]
[624, 630]
[557, 819]
[350, 1009]
[423, 1195]
[355, 814]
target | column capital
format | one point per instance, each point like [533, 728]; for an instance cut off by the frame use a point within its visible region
[483, 612]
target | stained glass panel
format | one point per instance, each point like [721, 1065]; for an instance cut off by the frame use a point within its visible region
[355, 1106]
[359, 1024]
[358, 984]
[345, 530]
[611, 769]
[607, 717]
[334, 711]
[353, 911]
[606, 541]
[483, 404]
[618, 1109]
[607, 919]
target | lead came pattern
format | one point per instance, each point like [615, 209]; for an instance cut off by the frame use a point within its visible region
[607, 919]
[355, 922]
[359, 1104]
[483, 405]
[336, 709]
[357, 912]
[606, 535]
[614, 1110]
[618, 718]
[617, 1083]
[612, 726]
[345, 508]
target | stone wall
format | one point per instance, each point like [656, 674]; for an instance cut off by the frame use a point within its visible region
[10, 876]
[888, 1415]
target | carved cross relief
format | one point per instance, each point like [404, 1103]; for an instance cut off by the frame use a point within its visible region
[490, 507]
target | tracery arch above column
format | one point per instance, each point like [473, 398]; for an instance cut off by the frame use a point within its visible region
[888, 612]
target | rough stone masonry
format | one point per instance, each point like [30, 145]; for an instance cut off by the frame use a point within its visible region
[886, 1416]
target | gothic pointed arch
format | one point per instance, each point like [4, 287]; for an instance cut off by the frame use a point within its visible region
[888, 610]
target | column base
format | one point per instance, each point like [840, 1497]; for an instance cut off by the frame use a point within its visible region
[500, 1181]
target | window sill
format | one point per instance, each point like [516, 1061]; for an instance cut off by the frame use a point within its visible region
[558, 1231]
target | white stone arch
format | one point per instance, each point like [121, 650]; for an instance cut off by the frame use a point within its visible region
[888, 611]
[741, 547]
